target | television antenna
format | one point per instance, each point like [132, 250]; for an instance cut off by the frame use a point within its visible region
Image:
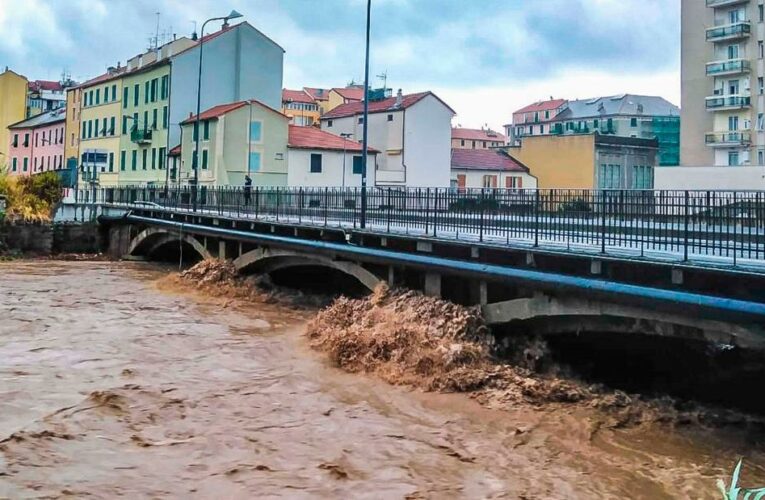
[384, 77]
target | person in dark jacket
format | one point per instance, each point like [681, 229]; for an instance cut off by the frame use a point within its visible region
[247, 189]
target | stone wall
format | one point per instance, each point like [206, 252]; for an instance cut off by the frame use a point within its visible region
[50, 239]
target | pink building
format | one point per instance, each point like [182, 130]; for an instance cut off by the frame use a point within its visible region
[37, 144]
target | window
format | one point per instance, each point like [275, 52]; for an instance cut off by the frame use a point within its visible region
[111, 162]
[489, 181]
[194, 131]
[256, 129]
[204, 159]
[37, 137]
[164, 117]
[125, 96]
[146, 92]
[541, 129]
[315, 163]
[161, 158]
[134, 160]
[106, 95]
[98, 96]
[154, 90]
[114, 92]
[361, 120]
[144, 158]
[357, 164]
[136, 91]
[254, 161]
[104, 129]
[279, 156]
[390, 118]
[84, 130]
[90, 129]
[164, 87]
[123, 159]
[609, 176]
[761, 49]
[547, 115]
[760, 157]
[206, 130]
[154, 158]
[462, 142]
[733, 159]
[26, 164]
[642, 177]
[124, 124]
[85, 101]
[473, 144]
[633, 122]
[15, 140]
[34, 168]
[14, 166]
[733, 51]
[484, 144]
[329, 123]
[154, 119]
[760, 121]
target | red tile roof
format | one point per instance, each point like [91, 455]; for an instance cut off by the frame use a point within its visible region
[176, 151]
[543, 106]
[222, 109]
[317, 93]
[215, 111]
[117, 73]
[351, 93]
[477, 134]
[296, 96]
[486, 159]
[314, 138]
[389, 104]
[38, 85]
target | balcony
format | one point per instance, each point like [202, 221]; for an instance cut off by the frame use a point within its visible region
[726, 102]
[140, 136]
[729, 32]
[730, 138]
[728, 67]
[723, 3]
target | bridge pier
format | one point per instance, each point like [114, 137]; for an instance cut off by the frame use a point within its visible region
[222, 249]
[433, 284]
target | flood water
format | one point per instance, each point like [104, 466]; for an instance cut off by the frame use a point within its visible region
[113, 386]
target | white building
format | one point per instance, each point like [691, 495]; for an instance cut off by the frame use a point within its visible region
[487, 168]
[412, 132]
[319, 159]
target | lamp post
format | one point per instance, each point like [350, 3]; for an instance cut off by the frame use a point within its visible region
[345, 136]
[363, 219]
[195, 160]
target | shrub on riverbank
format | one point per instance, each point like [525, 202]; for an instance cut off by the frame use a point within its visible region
[30, 198]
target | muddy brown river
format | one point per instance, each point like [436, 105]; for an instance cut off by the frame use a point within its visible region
[113, 386]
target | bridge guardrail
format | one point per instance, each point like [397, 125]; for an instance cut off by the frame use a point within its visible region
[682, 225]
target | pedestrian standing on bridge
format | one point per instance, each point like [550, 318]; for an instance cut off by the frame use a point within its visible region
[247, 189]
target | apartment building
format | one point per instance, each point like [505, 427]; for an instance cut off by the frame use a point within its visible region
[37, 143]
[301, 107]
[722, 72]
[412, 133]
[13, 91]
[472, 138]
[486, 168]
[624, 115]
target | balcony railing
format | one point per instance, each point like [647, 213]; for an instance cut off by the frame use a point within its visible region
[729, 138]
[719, 102]
[729, 31]
[728, 67]
[140, 136]
[723, 3]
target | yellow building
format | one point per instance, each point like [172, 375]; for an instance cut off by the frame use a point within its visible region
[13, 105]
[588, 161]
[301, 108]
[100, 118]
[72, 131]
[337, 97]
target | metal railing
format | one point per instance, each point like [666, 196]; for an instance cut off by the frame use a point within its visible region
[720, 227]
[728, 101]
[729, 31]
[728, 138]
[729, 66]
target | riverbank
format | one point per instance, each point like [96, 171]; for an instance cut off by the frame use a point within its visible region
[115, 382]
[45, 239]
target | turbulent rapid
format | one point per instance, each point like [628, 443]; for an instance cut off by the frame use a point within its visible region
[117, 380]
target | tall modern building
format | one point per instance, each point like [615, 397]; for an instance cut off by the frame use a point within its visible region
[722, 83]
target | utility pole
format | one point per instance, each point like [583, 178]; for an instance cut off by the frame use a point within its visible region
[365, 146]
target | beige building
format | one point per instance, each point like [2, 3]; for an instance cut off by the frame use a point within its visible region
[723, 89]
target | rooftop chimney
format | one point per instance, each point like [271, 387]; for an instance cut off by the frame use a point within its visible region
[399, 98]
[194, 36]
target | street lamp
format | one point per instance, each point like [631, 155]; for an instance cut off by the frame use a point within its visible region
[345, 136]
[195, 160]
[363, 219]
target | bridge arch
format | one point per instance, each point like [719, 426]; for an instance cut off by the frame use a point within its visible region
[268, 260]
[148, 241]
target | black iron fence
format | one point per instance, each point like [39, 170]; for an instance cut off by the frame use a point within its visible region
[673, 225]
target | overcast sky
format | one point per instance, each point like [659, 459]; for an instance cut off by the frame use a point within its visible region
[483, 57]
